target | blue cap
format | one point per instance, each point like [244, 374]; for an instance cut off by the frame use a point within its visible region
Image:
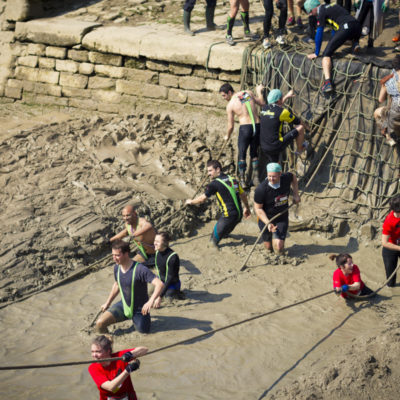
[274, 167]
[310, 5]
[274, 95]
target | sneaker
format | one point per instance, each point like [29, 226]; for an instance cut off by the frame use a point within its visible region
[327, 87]
[396, 38]
[229, 40]
[280, 39]
[355, 48]
[397, 48]
[290, 21]
[299, 23]
[251, 36]
[308, 40]
[266, 43]
[365, 31]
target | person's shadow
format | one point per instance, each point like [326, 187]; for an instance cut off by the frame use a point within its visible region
[164, 323]
[190, 267]
[202, 296]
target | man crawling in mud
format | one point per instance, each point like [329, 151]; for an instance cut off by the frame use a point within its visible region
[243, 104]
[141, 232]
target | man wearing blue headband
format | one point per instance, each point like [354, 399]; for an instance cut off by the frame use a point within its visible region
[271, 198]
[272, 117]
[344, 27]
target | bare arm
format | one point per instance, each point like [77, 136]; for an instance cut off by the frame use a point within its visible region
[246, 210]
[231, 121]
[157, 291]
[388, 245]
[144, 227]
[295, 188]
[263, 217]
[198, 200]
[120, 235]
[288, 95]
[111, 296]
[259, 98]
[382, 94]
[113, 385]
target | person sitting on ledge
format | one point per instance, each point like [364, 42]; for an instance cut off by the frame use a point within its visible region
[347, 278]
[388, 117]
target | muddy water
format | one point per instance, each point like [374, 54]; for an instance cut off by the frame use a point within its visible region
[249, 361]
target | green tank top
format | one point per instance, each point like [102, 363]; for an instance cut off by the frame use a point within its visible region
[128, 310]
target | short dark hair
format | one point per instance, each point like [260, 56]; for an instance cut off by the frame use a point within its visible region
[119, 244]
[396, 62]
[104, 342]
[165, 237]
[395, 204]
[215, 164]
[340, 259]
[226, 88]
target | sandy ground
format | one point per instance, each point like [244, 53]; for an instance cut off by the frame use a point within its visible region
[51, 226]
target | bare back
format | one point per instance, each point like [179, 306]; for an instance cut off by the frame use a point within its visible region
[238, 107]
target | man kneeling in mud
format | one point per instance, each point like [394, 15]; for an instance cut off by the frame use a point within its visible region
[131, 279]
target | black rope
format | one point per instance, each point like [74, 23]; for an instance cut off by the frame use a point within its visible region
[203, 335]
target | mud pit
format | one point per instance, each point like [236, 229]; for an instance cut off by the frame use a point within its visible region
[63, 187]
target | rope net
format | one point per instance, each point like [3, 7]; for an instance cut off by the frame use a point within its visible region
[360, 168]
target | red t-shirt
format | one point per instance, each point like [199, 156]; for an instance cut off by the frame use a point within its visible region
[391, 227]
[339, 279]
[101, 374]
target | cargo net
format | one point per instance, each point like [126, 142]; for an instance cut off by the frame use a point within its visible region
[359, 166]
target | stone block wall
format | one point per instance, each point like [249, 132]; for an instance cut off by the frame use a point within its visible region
[76, 77]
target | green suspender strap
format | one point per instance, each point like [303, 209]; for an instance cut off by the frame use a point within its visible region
[232, 192]
[245, 99]
[128, 310]
[138, 245]
[166, 269]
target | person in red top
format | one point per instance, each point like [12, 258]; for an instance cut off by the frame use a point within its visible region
[347, 277]
[113, 377]
[391, 240]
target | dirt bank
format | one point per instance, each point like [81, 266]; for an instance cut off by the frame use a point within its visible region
[64, 183]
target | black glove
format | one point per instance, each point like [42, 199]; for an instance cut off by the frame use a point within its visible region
[132, 367]
[128, 356]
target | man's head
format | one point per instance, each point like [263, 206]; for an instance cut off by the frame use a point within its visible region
[129, 214]
[274, 96]
[226, 91]
[395, 204]
[274, 172]
[310, 5]
[120, 251]
[214, 168]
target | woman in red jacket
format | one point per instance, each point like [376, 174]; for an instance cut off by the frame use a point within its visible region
[347, 278]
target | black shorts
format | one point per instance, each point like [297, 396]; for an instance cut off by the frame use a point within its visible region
[273, 154]
[280, 233]
[247, 137]
[348, 31]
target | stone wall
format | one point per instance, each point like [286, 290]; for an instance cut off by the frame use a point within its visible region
[64, 67]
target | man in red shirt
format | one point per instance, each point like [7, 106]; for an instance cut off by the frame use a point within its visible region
[391, 240]
[113, 377]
